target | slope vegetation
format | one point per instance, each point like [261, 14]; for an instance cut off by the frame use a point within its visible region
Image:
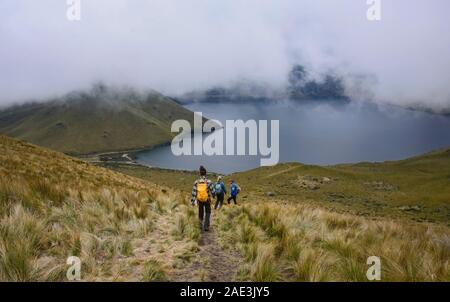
[53, 206]
[123, 228]
[308, 223]
[101, 120]
[416, 189]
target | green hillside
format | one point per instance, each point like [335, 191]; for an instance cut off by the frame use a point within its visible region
[100, 120]
[123, 228]
[53, 206]
[417, 188]
[296, 222]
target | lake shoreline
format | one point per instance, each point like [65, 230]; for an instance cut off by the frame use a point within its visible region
[319, 134]
[388, 133]
[114, 156]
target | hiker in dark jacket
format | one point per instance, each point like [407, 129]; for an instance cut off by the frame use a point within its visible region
[220, 192]
[202, 193]
[234, 191]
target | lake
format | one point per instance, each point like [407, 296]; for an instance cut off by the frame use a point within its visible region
[321, 134]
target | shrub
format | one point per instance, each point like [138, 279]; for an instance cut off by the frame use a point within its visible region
[153, 271]
[264, 268]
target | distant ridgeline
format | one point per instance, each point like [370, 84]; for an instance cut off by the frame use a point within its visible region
[300, 87]
[102, 119]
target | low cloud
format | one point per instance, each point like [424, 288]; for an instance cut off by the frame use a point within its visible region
[176, 46]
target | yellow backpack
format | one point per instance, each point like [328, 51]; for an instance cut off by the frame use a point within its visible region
[202, 191]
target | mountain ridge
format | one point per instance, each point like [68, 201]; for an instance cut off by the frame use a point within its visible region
[101, 120]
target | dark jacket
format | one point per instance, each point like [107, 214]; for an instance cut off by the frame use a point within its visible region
[224, 189]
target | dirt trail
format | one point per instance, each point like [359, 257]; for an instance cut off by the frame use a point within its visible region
[222, 265]
[212, 262]
[282, 171]
[154, 246]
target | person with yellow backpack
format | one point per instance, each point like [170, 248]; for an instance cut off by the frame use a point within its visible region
[202, 193]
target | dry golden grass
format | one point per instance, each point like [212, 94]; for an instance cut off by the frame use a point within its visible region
[312, 242]
[297, 242]
[53, 206]
[126, 229]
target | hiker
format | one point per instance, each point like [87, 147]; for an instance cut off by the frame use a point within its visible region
[202, 193]
[220, 191]
[234, 191]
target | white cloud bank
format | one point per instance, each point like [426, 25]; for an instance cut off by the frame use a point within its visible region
[179, 45]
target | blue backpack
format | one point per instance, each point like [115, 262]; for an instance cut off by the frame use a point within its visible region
[218, 188]
[234, 190]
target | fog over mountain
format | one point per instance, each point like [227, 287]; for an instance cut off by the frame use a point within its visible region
[177, 46]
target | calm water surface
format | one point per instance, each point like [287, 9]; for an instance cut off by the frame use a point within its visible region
[320, 134]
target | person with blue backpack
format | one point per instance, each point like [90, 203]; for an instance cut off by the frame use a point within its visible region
[220, 192]
[234, 191]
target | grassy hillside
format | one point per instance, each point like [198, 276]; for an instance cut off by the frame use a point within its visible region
[309, 223]
[127, 229]
[53, 206]
[303, 242]
[417, 188]
[101, 120]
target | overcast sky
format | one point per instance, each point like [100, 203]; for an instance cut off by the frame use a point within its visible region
[179, 45]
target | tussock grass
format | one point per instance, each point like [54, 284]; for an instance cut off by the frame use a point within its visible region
[250, 251]
[311, 267]
[246, 233]
[289, 244]
[22, 237]
[153, 271]
[264, 268]
[297, 242]
[186, 224]
[47, 191]
[53, 206]
[313, 240]
[181, 224]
